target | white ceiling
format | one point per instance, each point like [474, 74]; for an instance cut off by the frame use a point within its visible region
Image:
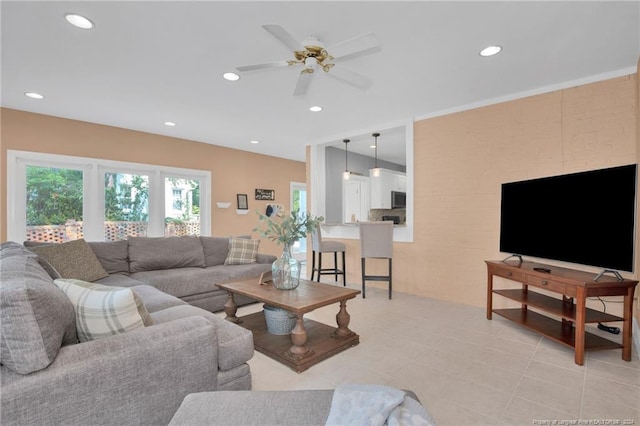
[148, 62]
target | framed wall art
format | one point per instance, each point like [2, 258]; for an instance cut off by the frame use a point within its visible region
[243, 203]
[265, 194]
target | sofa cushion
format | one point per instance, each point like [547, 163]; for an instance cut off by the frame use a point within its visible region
[235, 344]
[149, 254]
[103, 311]
[183, 281]
[119, 280]
[156, 300]
[215, 250]
[113, 255]
[242, 251]
[240, 272]
[36, 317]
[73, 259]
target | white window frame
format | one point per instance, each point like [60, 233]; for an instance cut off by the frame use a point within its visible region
[93, 191]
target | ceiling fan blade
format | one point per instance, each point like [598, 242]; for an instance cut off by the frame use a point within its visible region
[276, 64]
[350, 77]
[304, 80]
[283, 35]
[355, 46]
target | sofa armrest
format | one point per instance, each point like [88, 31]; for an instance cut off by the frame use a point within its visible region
[265, 258]
[137, 377]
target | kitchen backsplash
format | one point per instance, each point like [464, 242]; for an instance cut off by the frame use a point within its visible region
[376, 214]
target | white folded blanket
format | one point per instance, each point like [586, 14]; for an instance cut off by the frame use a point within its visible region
[375, 405]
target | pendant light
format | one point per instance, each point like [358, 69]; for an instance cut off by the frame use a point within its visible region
[375, 172]
[346, 173]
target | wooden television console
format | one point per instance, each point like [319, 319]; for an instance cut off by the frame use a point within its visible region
[572, 285]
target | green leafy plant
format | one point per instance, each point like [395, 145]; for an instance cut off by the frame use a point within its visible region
[288, 229]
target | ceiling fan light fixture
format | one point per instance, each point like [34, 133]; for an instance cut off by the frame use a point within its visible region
[310, 64]
[312, 43]
[79, 21]
[311, 54]
[231, 76]
[490, 51]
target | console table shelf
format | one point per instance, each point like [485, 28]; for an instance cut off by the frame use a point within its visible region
[575, 287]
[556, 306]
[554, 330]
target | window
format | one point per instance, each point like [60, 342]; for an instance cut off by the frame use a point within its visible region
[182, 206]
[58, 198]
[126, 206]
[53, 204]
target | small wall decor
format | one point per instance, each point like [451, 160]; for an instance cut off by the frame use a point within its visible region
[242, 202]
[274, 210]
[265, 194]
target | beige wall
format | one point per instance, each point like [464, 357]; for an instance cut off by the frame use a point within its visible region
[232, 171]
[462, 159]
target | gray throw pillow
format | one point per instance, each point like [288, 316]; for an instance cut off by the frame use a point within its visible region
[73, 259]
[36, 317]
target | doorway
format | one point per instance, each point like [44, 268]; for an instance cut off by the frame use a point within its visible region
[298, 202]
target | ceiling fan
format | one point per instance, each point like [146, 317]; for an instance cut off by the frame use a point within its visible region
[312, 54]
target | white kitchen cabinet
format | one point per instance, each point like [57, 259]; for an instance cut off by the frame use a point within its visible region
[381, 187]
[355, 199]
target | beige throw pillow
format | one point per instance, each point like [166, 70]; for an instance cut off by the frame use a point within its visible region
[103, 311]
[242, 251]
[73, 259]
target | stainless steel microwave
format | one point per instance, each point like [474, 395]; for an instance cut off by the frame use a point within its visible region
[398, 200]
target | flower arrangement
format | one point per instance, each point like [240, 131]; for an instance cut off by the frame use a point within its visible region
[289, 229]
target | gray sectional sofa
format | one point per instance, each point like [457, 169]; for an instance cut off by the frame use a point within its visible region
[185, 267]
[135, 377]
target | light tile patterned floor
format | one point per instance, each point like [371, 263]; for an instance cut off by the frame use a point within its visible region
[465, 369]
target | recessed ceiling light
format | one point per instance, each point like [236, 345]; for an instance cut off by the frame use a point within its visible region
[33, 95]
[254, 142]
[169, 123]
[315, 108]
[79, 21]
[372, 146]
[231, 76]
[490, 50]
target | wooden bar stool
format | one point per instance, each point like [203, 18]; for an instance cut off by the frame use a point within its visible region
[318, 248]
[376, 242]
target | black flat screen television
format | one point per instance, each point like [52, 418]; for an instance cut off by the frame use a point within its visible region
[586, 218]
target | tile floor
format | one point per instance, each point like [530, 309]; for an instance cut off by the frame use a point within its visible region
[466, 369]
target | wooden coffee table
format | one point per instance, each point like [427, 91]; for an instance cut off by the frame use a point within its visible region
[310, 341]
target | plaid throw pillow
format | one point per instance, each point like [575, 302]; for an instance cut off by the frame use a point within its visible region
[242, 251]
[102, 311]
